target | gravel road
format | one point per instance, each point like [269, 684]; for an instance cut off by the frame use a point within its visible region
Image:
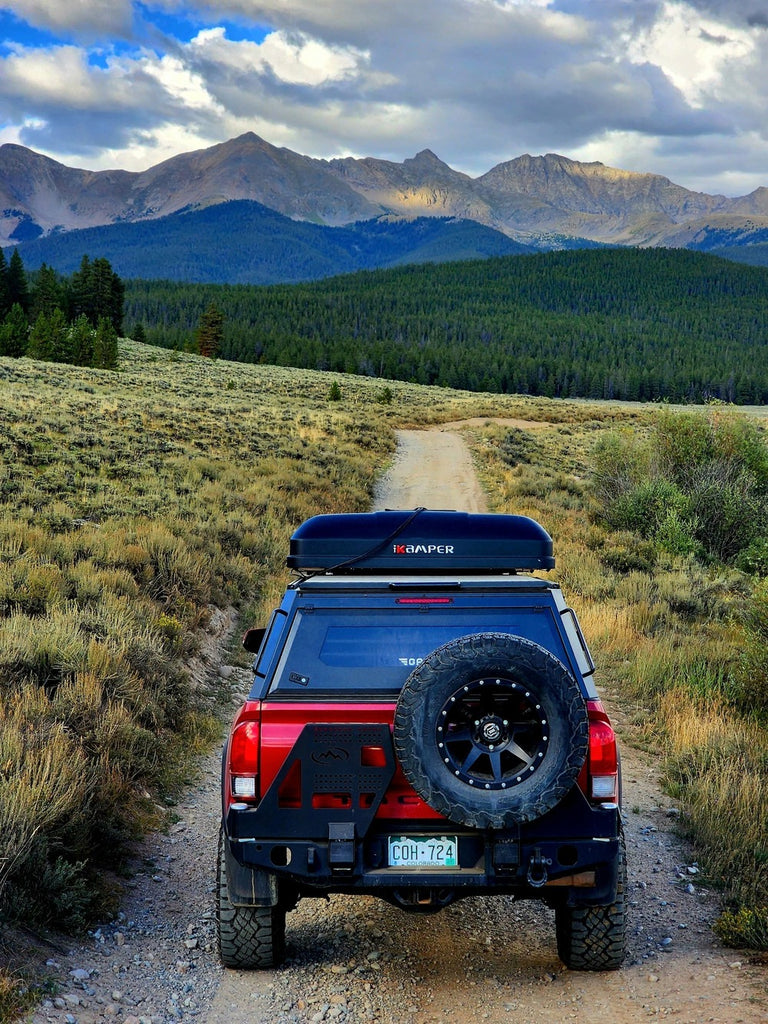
[356, 960]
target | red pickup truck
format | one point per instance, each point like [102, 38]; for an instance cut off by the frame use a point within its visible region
[422, 726]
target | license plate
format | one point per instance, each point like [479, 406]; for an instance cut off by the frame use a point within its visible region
[423, 852]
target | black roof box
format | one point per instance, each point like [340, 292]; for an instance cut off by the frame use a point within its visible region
[420, 541]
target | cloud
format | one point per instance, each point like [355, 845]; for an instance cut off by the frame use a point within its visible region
[477, 81]
[83, 109]
[751, 13]
[90, 19]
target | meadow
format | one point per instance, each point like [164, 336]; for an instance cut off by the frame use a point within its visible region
[132, 503]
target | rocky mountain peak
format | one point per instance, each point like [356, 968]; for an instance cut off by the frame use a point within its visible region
[527, 196]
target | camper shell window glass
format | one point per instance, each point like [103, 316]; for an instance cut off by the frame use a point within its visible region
[371, 651]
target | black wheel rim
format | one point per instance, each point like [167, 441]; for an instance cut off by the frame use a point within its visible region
[492, 733]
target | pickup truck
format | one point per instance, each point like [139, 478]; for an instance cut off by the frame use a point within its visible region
[423, 726]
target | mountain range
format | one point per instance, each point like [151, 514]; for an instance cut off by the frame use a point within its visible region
[531, 202]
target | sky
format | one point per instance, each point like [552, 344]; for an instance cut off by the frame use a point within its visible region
[671, 87]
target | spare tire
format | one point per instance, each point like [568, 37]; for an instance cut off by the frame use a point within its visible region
[491, 729]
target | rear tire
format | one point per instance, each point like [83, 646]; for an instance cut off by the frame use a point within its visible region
[594, 938]
[247, 936]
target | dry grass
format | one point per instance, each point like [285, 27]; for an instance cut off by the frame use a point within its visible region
[131, 502]
[674, 640]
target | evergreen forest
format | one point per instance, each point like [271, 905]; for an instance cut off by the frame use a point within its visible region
[629, 324]
[58, 319]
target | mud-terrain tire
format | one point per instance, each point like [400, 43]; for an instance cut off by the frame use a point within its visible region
[491, 729]
[594, 938]
[247, 936]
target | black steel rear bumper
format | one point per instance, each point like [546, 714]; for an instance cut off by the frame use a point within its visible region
[568, 856]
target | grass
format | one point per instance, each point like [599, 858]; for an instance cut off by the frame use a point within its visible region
[133, 503]
[681, 642]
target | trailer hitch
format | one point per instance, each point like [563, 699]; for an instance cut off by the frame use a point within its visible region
[537, 869]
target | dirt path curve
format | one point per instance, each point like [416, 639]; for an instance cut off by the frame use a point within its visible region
[355, 960]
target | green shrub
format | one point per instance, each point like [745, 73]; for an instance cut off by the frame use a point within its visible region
[646, 506]
[728, 507]
[516, 446]
[626, 552]
[697, 486]
[620, 462]
[745, 928]
[754, 558]
[676, 533]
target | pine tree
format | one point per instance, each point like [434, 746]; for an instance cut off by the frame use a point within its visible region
[96, 291]
[47, 293]
[81, 300]
[105, 345]
[14, 332]
[210, 332]
[18, 289]
[5, 303]
[81, 342]
[42, 338]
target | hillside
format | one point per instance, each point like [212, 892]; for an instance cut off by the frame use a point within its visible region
[615, 323]
[242, 242]
[531, 199]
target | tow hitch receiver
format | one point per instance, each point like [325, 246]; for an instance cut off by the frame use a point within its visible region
[341, 845]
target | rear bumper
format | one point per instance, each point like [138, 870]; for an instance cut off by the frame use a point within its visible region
[567, 857]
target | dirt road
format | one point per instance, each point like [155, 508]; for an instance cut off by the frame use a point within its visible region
[431, 468]
[359, 960]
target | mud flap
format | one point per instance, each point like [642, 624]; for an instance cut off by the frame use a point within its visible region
[249, 888]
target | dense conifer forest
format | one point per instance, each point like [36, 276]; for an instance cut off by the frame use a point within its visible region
[629, 324]
[57, 319]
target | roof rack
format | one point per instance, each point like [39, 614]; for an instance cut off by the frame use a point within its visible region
[419, 541]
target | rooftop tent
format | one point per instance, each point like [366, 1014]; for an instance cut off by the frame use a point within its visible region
[420, 541]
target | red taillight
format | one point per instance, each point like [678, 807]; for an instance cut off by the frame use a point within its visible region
[244, 748]
[244, 761]
[603, 758]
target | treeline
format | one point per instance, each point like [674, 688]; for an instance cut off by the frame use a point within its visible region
[64, 320]
[621, 324]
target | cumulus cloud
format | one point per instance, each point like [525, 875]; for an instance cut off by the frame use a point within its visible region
[478, 81]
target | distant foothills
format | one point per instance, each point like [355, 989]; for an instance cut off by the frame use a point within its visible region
[249, 212]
